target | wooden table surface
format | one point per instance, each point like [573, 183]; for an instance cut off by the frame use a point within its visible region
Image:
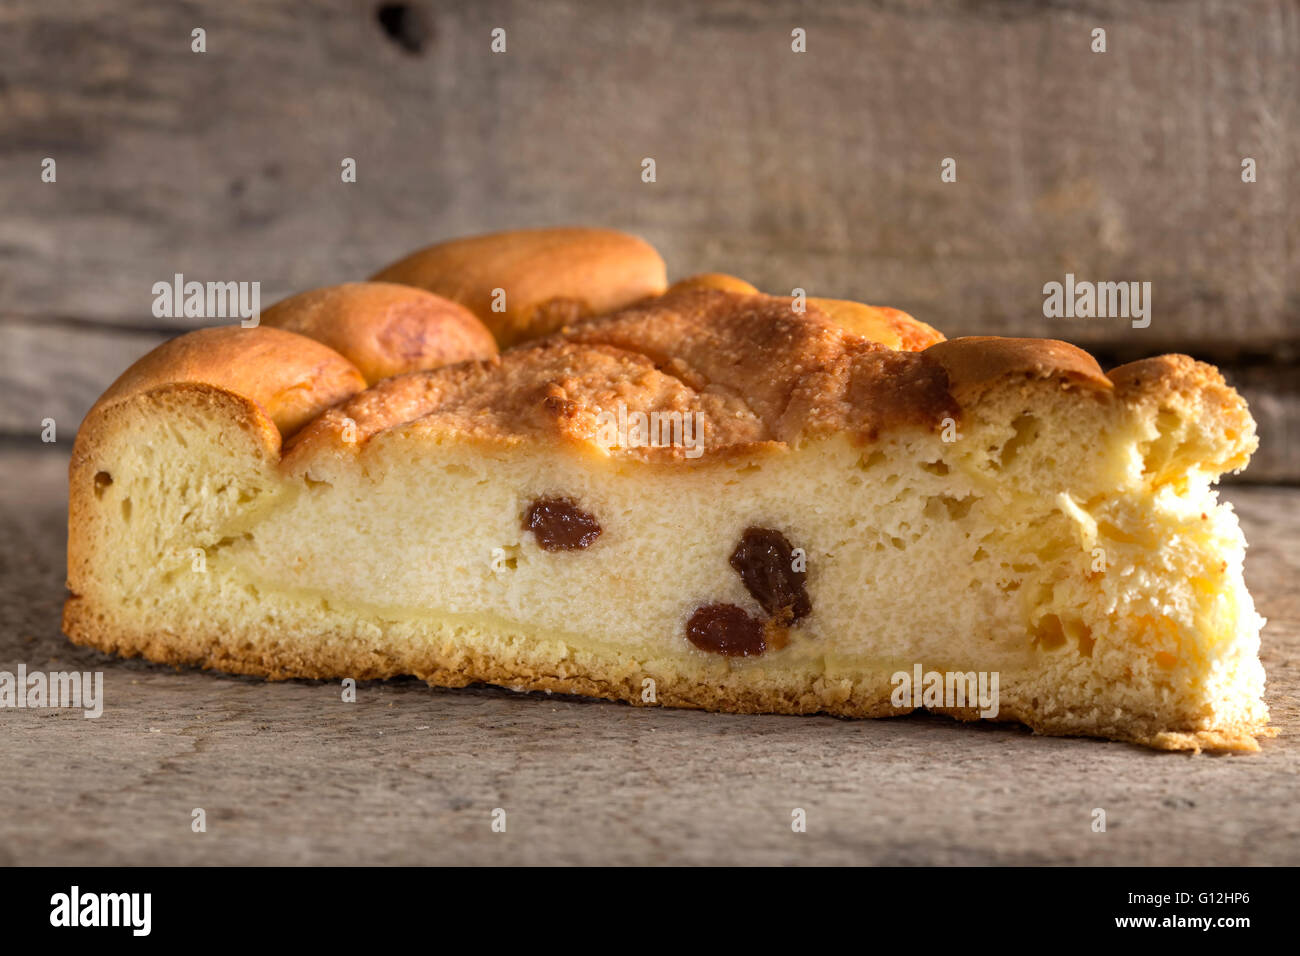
[289, 773]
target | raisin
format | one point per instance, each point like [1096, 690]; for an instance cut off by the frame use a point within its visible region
[560, 525]
[764, 560]
[727, 630]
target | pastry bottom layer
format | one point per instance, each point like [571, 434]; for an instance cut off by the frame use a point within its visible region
[456, 653]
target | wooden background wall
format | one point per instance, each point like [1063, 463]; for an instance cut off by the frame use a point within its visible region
[819, 170]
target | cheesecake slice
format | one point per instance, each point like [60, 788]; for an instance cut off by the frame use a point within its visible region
[704, 498]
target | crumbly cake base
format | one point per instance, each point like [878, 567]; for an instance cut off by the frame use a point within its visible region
[459, 654]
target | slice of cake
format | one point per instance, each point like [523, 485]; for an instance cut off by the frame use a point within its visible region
[708, 498]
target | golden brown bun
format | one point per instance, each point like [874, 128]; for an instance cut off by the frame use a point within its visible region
[756, 371]
[550, 277]
[975, 362]
[892, 328]
[383, 328]
[712, 280]
[291, 377]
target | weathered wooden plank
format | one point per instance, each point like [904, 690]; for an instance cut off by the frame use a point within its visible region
[1274, 398]
[819, 170]
[52, 370]
[287, 773]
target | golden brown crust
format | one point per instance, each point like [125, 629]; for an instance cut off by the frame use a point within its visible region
[291, 377]
[753, 346]
[756, 372]
[977, 362]
[548, 277]
[548, 392]
[753, 371]
[383, 328]
[1166, 377]
[468, 659]
[712, 280]
[892, 328]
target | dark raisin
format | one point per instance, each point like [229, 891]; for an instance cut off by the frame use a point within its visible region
[560, 525]
[764, 560]
[727, 630]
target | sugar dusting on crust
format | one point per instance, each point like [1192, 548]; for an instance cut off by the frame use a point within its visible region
[751, 368]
